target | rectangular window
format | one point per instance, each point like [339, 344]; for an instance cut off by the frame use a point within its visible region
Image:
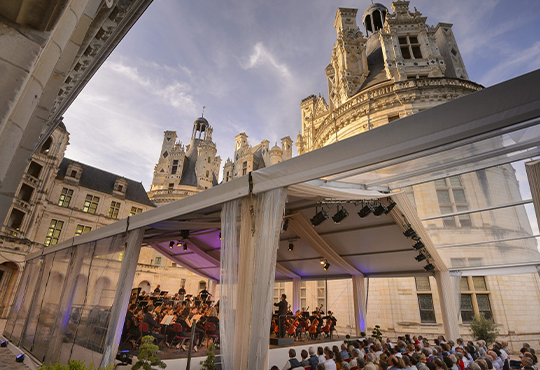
[467, 312]
[279, 289]
[427, 313]
[134, 211]
[53, 234]
[171, 185]
[174, 169]
[484, 306]
[393, 118]
[479, 283]
[115, 208]
[175, 162]
[158, 261]
[464, 284]
[65, 197]
[81, 229]
[452, 199]
[207, 173]
[422, 283]
[90, 204]
[183, 283]
[410, 47]
[209, 160]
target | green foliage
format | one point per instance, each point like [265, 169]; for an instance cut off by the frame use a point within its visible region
[485, 329]
[73, 365]
[147, 357]
[376, 333]
[208, 364]
[362, 334]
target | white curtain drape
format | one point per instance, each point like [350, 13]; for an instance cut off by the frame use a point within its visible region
[229, 280]
[248, 272]
[455, 276]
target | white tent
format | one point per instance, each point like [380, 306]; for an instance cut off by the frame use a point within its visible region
[492, 127]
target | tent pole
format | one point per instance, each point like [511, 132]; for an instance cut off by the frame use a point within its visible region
[359, 300]
[446, 290]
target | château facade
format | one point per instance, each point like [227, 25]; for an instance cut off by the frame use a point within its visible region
[185, 170]
[400, 67]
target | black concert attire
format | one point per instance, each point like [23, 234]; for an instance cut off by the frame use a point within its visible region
[130, 326]
[157, 290]
[199, 334]
[149, 319]
[204, 295]
[282, 313]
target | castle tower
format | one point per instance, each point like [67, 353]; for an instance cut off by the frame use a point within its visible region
[185, 170]
[286, 148]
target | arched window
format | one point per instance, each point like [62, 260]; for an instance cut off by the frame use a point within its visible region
[46, 147]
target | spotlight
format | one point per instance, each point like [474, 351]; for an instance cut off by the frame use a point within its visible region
[390, 206]
[322, 261]
[286, 224]
[171, 244]
[185, 247]
[291, 246]
[3, 343]
[420, 257]
[380, 210]
[418, 245]
[366, 210]
[429, 267]
[184, 234]
[409, 232]
[220, 235]
[124, 357]
[319, 218]
[179, 243]
[20, 357]
[326, 266]
[340, 215]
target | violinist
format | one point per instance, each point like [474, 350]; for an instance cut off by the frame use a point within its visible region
[131, 325]
[153, 326]
[295, 327]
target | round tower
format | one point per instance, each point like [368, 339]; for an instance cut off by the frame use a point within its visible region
[373, 18]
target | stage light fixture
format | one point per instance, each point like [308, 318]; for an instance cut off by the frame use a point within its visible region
[340, 215]
[184, 234]
[429, 267]
[124, 357]
[220, 235]
[3, 343]
[409, 233]
[20, 357]
[291, 246]
[322, 261]
[185, 247]
[418, 245]
[319, 217]
[179, 243]
[326, 266]
[420, 257]
[390, 206]
[171, 244]
[286, 224]
[380, 210]
[366, 210]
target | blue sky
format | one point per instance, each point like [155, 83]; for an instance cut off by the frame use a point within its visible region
[250, 63]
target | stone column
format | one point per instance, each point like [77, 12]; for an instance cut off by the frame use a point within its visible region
[296, 288]
[359, 301]
[446, 290]
[213, 288]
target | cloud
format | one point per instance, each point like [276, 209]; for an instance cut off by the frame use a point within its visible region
[260, 56]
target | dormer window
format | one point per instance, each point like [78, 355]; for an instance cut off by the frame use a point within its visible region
[73, 173]
[120, 187]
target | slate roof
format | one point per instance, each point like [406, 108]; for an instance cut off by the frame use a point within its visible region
[99, 180]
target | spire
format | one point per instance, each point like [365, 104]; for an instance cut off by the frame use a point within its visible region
[202, 114]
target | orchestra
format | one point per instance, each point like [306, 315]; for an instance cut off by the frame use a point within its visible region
[313, 325]
[157, 313]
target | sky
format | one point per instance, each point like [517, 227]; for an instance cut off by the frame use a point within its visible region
[250, 63]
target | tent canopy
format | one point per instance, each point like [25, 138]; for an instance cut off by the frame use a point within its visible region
[489, 128]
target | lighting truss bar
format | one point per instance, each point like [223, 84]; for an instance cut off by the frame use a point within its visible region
[488, 242]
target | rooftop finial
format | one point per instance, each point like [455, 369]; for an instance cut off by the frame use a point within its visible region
[202, 115]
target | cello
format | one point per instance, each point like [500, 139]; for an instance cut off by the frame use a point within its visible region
[313, 328]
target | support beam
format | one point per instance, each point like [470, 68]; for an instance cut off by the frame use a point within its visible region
[181, 262]
[296, 288]
[196, 247]
[285, 271]
[360, 304]
[121, 299]
[308, 234]
[533, 174]
[447, 294]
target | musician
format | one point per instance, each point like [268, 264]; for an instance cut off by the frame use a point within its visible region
[131, 325]
[333, 321]
[157, 290]
[205, 294]
[153, 326]
[182, 292]
[282, 313]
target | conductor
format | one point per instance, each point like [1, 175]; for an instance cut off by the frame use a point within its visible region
[282, 313]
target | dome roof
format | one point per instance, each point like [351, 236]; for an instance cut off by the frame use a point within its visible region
[370, 9]
[201, 120]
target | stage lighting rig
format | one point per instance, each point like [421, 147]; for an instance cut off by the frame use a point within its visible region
[319, 217]
[420, 257]
[366, 210]
[340, 215]
[429, 267]
[381, 208]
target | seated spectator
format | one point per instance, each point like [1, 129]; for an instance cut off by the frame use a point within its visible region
[313, 359]
[345, 366]
[344, 352]
[356, 359]
[383, 365]
[329, 363]
[320, 366]
[370, 359]
[304, 361]
[292, 362]
[320, 355]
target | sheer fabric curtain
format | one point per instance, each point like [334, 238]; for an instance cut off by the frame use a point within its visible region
[455, 276]
[248, 273]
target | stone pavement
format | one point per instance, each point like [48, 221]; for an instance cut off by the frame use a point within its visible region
[7, 361]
